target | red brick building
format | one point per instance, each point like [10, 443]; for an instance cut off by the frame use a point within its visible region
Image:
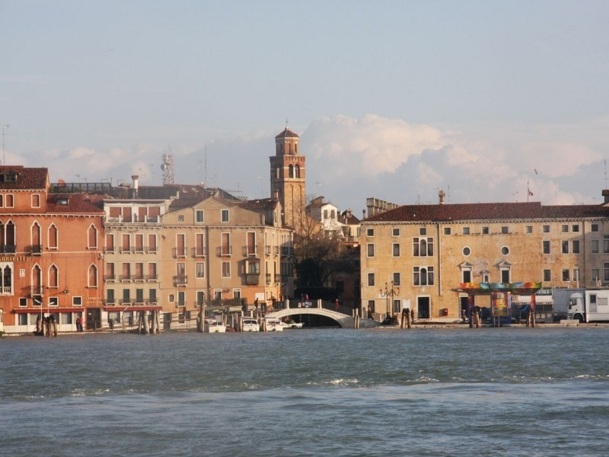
[50, 253]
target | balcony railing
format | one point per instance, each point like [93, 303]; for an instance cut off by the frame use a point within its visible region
[268, 279]
[109, 278]
[34, 249]
[250, 251]
[180, 280]
[252, 279]
[8, 249]
[224, 251]
[179, 253]
[199, 251]
[152, 278]
[124, 278]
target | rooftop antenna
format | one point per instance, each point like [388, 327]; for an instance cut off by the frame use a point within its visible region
[167, 167]
[4, 127]
[604, 161]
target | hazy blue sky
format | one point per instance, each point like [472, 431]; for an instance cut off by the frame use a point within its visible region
[392, 99]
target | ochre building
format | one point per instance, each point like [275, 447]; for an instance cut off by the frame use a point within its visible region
[417, 256]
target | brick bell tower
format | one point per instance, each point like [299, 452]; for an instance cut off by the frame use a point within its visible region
[288, 179]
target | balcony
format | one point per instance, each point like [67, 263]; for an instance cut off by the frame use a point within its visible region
[250, 251]
[124, 250]
[124, 278]
[109, 278]
[152, 278]
[34, 249]
[268, 278]
[199, 251]
[277, 278]
[8, 249]
[110, 301]
[180, 280]
[252, 279]
[137, 278]
[179, 253]
[224, 251]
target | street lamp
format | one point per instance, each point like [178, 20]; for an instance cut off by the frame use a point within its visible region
[390, 291]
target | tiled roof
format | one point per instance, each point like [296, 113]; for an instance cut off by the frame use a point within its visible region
[25, 178]
[260, 205]
[487, 211]
[73, 203]
[287, 133]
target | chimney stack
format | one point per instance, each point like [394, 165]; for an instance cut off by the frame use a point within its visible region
[135, 179]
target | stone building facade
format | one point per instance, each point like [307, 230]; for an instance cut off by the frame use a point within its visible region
[417, 256]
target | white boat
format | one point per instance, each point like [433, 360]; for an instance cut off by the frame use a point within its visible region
[273, 324]
[250, 325]
[292, 324]
[214, 326]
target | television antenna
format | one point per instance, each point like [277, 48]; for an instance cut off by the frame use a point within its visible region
[4, 127]
[167, 167]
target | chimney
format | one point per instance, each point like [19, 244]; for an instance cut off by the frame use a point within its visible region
[135, 179]
[441, 196]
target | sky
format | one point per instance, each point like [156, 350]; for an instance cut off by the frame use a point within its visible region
[487, 100]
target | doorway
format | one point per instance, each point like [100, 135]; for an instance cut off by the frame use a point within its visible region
[423, 311]
[93, 318]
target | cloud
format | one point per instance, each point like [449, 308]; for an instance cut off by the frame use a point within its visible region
[409, 163]
[370, 145]
[350, 159]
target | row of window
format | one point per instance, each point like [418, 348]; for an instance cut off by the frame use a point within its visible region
[424, 247]
[8, 200]
[7, 278]
[8, 235]
[421, 276]
[485, 230]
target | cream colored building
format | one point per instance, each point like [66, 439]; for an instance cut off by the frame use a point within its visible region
[417, 256]
[217, 252]
[177, 254]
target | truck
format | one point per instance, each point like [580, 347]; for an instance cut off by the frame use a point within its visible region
[560, 302]
[591, 305]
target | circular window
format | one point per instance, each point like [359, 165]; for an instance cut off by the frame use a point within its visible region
[505, 250]
[467, 251]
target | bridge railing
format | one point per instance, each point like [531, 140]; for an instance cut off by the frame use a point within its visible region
[318, 303]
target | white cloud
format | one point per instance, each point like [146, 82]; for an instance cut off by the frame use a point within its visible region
[350, 159]
[371, 145]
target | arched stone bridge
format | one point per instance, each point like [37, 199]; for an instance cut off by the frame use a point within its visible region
[344, 320]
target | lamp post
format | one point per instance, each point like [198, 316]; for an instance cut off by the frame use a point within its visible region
[390, 291]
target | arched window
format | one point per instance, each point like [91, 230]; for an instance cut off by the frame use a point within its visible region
[36, 238]
[93, 276]
[92, 237]
[423, 247]
[291, 171]
[53, 277]
[297, 171]
[53, 237]
[36, 280]
[6, 279]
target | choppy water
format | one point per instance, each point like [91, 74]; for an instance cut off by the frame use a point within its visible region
[436, 392]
